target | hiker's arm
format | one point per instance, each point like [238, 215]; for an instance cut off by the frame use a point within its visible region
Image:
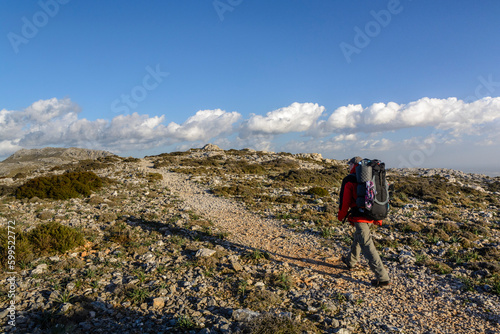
[347, 200]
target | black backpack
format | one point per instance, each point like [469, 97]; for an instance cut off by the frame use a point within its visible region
[372, 190]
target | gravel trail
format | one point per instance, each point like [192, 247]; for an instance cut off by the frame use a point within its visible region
[416, 302]
[248, 229]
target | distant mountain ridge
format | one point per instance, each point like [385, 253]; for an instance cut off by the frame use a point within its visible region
[48, 156]
[72, 153]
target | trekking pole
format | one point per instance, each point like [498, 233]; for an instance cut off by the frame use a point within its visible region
[345, 218]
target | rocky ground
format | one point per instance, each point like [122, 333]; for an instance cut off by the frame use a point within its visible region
[212, 241]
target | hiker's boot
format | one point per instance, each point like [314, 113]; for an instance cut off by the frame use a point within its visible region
[346, 262]
[379, 284]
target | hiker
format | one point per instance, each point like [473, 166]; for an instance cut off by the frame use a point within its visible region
[363, 241]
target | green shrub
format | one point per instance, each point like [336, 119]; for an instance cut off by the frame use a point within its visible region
[23, 252]
[496, 284]
[152, 177]
[410, 227]
[256, 256]
[242, 167]
[19, 175]
[494, 186]
[327, 177]
[6, 190]
[131, 159]
[185, 322]
[85, 165]
[438, 191]
[238, 190]
[328, 232]
[120, 234]
[318, 191]
[253, 169]
[88, 165]
[284, 281]
[274, 324]
[45, 239]
[281, 164]
[440, 268]
[54, 237]
[137, 295]
[68, 185]
[261, 300]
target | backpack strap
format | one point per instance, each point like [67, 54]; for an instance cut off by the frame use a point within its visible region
[348, 178]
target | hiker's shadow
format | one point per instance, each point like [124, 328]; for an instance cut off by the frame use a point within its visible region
[306, 262]
[334, 270]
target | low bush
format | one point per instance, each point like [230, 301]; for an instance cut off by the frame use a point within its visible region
[54, 237]
[120, 234]
[284, 280]
[268, 323]
[6, 190]
[494, 186]
[238, 190]
[242, 167]
[439, 191]
[45, 239]
[318, 191]
[61, 187]
[152, 177]
[137, 295]
[327, 177]
[261, 300]
[131, 159]
[281, 164]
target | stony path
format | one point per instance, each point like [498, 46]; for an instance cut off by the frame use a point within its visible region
[416, 302]
[250, 230]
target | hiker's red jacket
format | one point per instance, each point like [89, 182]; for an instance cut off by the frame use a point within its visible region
[349, 201]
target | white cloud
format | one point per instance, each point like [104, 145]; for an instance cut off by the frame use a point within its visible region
[380, 127]
[329, 147]
[381, 144]
[8, 147]
[345, 117]
[297, 117]
[9, 127]
[448, 114]
[349, 137]
[56, 122]
[205, 124]
[45, 110]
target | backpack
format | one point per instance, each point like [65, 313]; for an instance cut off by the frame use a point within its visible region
[372, 189]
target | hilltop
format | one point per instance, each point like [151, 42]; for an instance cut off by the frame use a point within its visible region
[26, 160]
[223, 241]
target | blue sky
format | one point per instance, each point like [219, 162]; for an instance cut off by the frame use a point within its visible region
[415, 83]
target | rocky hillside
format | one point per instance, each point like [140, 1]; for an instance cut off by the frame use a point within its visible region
[242, 241]
[26, 160]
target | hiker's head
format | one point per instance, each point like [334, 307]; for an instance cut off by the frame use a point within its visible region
[354, 161]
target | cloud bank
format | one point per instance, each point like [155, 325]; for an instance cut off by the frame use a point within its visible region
[445, 114]
[59, 122]
[297, 117]
[56, 122]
